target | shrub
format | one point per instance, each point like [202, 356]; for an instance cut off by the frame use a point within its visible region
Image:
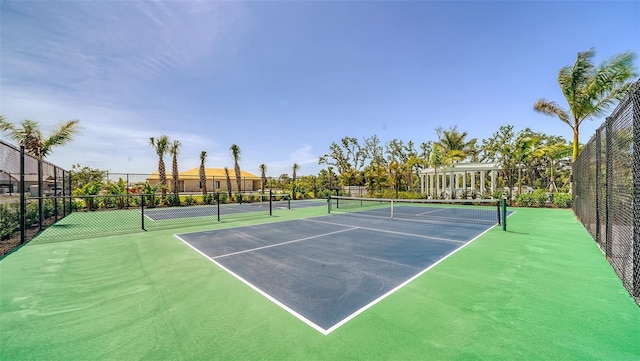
[173, 200]
[208, 199]
[77, 204]
[135, 201]
[9, 220]
[189, 200]
[539, 197]
[525, 200]
[562, 200]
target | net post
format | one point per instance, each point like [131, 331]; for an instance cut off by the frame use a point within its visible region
[288, 202]
[499, 211]
[270, 203]
[218, 205]
[329, 203]
[392, 209]
[504, 214]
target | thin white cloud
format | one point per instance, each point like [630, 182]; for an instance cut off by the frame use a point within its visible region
[111, 47]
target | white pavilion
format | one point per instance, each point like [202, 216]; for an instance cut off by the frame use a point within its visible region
[451, 180]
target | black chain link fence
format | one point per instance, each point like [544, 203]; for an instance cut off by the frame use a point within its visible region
[32, 196]
[606, 183]
[113, 214]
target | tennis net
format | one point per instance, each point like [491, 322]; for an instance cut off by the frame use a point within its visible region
[476, 211]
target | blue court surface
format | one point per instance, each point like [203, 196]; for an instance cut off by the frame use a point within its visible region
[326, 270]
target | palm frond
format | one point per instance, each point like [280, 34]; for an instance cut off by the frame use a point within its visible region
[64, 134]
[553, 109]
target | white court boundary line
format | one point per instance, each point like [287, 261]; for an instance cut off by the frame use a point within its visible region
[358, 311]
[283, 243]
[387, 231]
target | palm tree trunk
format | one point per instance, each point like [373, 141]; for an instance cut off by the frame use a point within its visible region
[163, 178]
[576, 143]
[238, 177]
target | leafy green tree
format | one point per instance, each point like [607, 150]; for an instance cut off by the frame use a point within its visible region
[348, 158]
[375, 173]
[512, 150]
[160, 145]
[29, 135]
[81, 176]
[590, 91]
[401, 159]
[552, 152]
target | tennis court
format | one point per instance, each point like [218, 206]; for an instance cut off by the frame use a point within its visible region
[540, 290]
[326, 270]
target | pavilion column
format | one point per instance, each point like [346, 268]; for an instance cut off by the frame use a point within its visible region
[437, 184]
[451, 184]
[493, 181]
[464, 181]
[473, 181]
[431, 179]
[483, 176]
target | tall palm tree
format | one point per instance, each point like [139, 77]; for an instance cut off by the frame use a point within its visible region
[226, 173]
[454, 145]
[235, 154]
[296, 167]
[29, 135]
[174, 149]
[263, 176]
[203, 174]
[160, 145]
[590, 91]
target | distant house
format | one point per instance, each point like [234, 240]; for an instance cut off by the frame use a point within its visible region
[10, 183]
[189, 181]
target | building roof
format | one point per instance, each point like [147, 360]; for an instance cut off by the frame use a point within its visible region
[210, 172]
[464, 167]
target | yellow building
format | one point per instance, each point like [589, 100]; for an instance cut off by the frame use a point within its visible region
[189, 181]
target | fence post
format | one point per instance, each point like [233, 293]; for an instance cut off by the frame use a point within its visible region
[40, 212]
[55, 192]
[23, 201]
[598, 183]
[70, 175]
[607, 205]
[636, 191]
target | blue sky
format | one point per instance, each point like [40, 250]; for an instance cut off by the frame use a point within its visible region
[285, 79]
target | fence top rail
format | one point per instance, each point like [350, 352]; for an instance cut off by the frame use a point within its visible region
[17, 149]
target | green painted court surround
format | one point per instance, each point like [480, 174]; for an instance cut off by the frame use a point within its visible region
[540, 291]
